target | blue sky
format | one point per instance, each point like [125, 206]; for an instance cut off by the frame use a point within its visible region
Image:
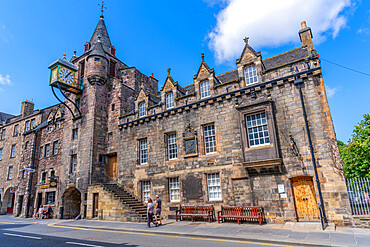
[156, 35]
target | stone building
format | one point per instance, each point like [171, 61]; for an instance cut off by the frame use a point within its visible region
[237, 138]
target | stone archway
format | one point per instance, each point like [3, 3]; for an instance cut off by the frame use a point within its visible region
[7, 205]
[71, 203]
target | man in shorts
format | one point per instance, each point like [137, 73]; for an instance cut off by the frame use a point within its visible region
[158, 208]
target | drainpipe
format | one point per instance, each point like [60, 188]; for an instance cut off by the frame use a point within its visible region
[323, 218]
[31, 174]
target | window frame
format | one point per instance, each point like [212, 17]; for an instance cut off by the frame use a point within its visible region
[145, 194]
[16, 130]
[170, 101]
[55, 147]
[28, 125]
[205, 94]
[41, 150]
[43, 177]
[258, 133]
[47, 197]
[142, 110]
[141, 149]
[3, 133]
[13, 150]
[252, 69]
[172, 146]
[1, 153]
[75, 134]
[47, 150]
[110, 136]
[209, 185]
[10, 172]
[176, 189]
[73, 167]
[205, 139]
[33, 123]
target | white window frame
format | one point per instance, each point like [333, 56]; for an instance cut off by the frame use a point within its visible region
[172, 146]
[55, 147]
[143, 151]
[16, 130]
[3, 134]
[214, 187]
[47, 150]
[13, 150]
[73, 163]
[257, 129]
[250, 75]
[174, 189]
[205, 89]
[209, 139]
[145, 190]
[170, 102]
[142, 109]
[10, 172]
[28, 125]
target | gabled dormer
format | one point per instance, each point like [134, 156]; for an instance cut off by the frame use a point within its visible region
[204, 81]
[142, 103]
[249, 66]
[170, 91]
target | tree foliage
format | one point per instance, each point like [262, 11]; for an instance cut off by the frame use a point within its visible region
[356, 155]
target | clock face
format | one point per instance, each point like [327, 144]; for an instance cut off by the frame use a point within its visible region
[66, 75]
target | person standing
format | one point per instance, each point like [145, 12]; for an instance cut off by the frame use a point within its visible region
[150, 212]
[158, 209]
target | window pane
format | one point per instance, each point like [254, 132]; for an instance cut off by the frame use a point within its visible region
[174, 189]
[205, 90]
[143, 151]
[250, 75]
[214, 186]
[169, 100]
[209, 139]
[142, 109]
[257, 129]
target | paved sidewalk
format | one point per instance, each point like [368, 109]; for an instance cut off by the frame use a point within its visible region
[305, 234]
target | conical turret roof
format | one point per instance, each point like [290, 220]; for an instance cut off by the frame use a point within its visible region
[97, 49]
[102, 34]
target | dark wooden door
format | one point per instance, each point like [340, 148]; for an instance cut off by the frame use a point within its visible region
[305, 199]
[95, 205]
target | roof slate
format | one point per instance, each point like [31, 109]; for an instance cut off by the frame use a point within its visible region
[101, 31]
[285, 58]
[228, 76]
[5, 116]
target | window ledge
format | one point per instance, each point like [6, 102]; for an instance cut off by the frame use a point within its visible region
[269, 145]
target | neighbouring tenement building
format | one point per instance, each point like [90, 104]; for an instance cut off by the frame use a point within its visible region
[238, 138]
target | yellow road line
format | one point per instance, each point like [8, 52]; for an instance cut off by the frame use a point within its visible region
[168, 236]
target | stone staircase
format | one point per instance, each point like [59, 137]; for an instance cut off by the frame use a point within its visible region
[127, 199]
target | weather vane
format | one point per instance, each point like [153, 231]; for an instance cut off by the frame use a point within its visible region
[102, 8]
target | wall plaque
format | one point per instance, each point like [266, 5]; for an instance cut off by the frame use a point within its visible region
[190, 146]
[192, 187]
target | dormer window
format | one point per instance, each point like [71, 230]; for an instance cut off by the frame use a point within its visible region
[250, 74]
[142, 109]
[205, 89]
[169, 100]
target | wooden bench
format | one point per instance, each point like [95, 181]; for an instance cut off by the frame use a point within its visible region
[233, 212]
[196, 211]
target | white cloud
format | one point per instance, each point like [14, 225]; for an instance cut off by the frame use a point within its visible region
[5, 34]
[4, 81]
[272, 23]
[330, 91]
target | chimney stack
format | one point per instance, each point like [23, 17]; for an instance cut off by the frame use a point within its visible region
[27, 108]
[305, 34]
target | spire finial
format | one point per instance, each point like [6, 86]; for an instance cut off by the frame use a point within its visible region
[246, 40]
[102, 9]
[64, 55]
[169, 71]
[202, 57]
[74, 52]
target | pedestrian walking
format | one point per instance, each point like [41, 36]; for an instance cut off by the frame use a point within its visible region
[158, 210]
[150, 212]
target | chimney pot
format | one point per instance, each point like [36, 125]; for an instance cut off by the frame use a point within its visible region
[303, 24]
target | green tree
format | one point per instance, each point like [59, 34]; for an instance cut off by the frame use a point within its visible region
[356, 155]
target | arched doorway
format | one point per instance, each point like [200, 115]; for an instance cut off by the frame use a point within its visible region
[8, 201]
[71, 203]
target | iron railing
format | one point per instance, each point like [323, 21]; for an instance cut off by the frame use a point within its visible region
[359, 195]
